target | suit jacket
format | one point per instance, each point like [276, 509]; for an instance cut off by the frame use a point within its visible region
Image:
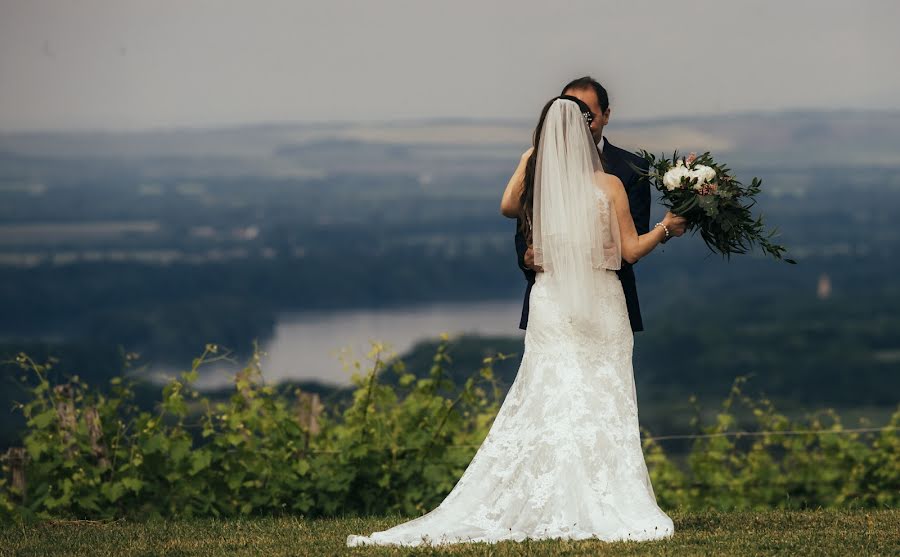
[615, 161]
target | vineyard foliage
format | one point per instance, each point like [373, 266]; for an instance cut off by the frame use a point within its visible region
[398, 446]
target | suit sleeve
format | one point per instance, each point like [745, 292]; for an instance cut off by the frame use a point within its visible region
[521, 247]
[639, 198]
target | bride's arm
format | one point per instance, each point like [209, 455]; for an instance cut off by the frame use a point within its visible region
[510, 203]
[636, 246]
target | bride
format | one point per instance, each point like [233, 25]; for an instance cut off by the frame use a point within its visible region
[563, 457]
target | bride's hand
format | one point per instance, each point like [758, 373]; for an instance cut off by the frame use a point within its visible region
[529, 260]
[676, 225]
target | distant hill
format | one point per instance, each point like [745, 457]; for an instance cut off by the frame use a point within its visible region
[448, 147]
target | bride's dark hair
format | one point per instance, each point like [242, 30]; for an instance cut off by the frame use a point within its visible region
[526, 201]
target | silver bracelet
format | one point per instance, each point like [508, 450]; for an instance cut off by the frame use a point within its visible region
[666, 239]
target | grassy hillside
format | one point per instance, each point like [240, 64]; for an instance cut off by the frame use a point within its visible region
[749, 533]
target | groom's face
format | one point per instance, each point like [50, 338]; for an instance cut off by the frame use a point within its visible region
[589, 96]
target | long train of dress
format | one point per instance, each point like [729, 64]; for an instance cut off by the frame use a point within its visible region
[563, 457]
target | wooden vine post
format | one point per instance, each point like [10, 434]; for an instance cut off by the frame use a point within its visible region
[309, 408]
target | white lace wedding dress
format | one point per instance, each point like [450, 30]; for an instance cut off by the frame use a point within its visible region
[563, 458]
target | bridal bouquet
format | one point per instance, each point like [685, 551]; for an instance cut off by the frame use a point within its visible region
[712, 201]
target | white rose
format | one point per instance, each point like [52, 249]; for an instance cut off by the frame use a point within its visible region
[702, 174]
[672, 178]
[706, 172]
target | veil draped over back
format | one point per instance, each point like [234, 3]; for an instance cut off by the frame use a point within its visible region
[575, 231]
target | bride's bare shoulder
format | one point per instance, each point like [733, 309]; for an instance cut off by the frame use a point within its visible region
[613, 181]
[610, 183]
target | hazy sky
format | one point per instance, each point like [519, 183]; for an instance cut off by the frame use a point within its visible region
[117, 64]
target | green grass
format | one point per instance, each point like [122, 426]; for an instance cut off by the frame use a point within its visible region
[823, 532]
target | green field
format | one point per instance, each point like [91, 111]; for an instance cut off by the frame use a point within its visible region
[822, 532]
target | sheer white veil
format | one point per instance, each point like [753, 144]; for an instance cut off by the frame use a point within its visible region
[575, 232]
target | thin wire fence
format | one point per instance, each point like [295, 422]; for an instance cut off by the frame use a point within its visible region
[842, 431]
[738, 434]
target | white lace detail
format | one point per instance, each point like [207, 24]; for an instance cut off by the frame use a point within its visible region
[563, 458]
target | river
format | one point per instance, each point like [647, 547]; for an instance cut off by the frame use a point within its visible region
[310, 346]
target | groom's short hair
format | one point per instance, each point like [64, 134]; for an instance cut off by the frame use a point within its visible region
[588, 82]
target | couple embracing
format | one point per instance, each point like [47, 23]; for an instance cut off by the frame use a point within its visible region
[563, 457]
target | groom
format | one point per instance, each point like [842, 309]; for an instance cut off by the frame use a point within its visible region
[615, 161]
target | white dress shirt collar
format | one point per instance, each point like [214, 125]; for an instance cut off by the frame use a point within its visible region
[601, 144]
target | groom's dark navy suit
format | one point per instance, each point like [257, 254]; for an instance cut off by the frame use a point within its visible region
[615, 161]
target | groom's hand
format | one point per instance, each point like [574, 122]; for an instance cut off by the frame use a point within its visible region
[529, 260]
[676, 225]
